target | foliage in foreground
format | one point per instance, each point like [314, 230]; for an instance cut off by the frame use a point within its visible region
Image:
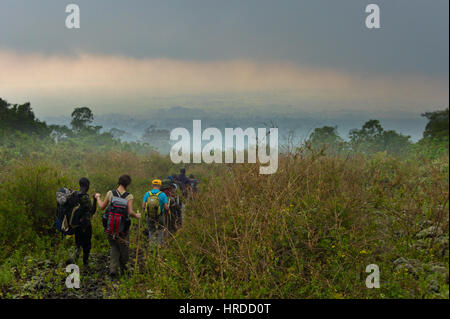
[308, 231]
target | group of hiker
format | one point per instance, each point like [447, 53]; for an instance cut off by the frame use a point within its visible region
[162, 204]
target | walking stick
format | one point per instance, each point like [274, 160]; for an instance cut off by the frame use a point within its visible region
[137, 245]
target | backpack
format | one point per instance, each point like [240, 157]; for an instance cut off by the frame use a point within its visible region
[116, 220]
[67, 212]
[153, 206]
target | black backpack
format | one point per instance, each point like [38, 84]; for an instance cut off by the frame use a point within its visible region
[67, 211]
[116, 220]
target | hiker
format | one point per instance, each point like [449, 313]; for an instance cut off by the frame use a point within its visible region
[116, 221]
[169, 188]
[184, 182]
[83, 228]
[174, 178]
[193, 186]
[177, 194]
[179, 208]
[194, 183]
[155, 204]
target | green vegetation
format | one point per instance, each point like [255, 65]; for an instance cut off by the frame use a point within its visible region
[308, 231]
[372, 138]
[20, 118]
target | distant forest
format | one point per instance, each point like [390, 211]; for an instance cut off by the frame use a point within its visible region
[370, 138]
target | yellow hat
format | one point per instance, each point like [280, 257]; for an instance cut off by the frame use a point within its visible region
[157, 182]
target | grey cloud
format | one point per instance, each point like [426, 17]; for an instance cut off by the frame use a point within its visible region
[413, 37]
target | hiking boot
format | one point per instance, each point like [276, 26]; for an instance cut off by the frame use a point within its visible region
[86, 258]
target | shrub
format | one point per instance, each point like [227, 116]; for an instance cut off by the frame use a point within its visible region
[31, 194]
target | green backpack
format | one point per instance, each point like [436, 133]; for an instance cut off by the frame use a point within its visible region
[153, 206]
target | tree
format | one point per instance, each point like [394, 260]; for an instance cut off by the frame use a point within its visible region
[435, 141]
[326, 137]
[372, 138]
[81, 118]
[370, 131]
[437, 126]
[395, 143]
[20, 118]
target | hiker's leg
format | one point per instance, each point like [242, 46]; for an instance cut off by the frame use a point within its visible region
[178, 218]
[147, 220]
[171, 222]
[78, 245]
[114, 256]
[87, 244]
[151, 232]
[161, 229]
[160, 236]
[165, 229]
[74, 253]
[124, 252]
[77, 254]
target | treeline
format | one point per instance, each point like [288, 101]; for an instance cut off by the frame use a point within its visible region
[21, 118]
[373, 138]
[15, 117]
[17, 120]
[23, 135]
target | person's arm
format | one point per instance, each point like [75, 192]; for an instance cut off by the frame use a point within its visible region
[165, 201]
[130, 210]
[102, 204]
[145, 201]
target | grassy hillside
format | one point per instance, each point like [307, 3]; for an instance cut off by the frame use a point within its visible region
[308, 231]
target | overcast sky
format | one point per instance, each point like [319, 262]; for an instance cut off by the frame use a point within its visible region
[313, 55]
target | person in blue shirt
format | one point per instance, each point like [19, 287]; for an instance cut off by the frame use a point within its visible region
[156, 217]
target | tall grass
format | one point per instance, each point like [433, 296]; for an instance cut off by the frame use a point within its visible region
[308, 231]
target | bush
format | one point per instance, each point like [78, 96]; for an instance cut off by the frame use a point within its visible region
[31, 194]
